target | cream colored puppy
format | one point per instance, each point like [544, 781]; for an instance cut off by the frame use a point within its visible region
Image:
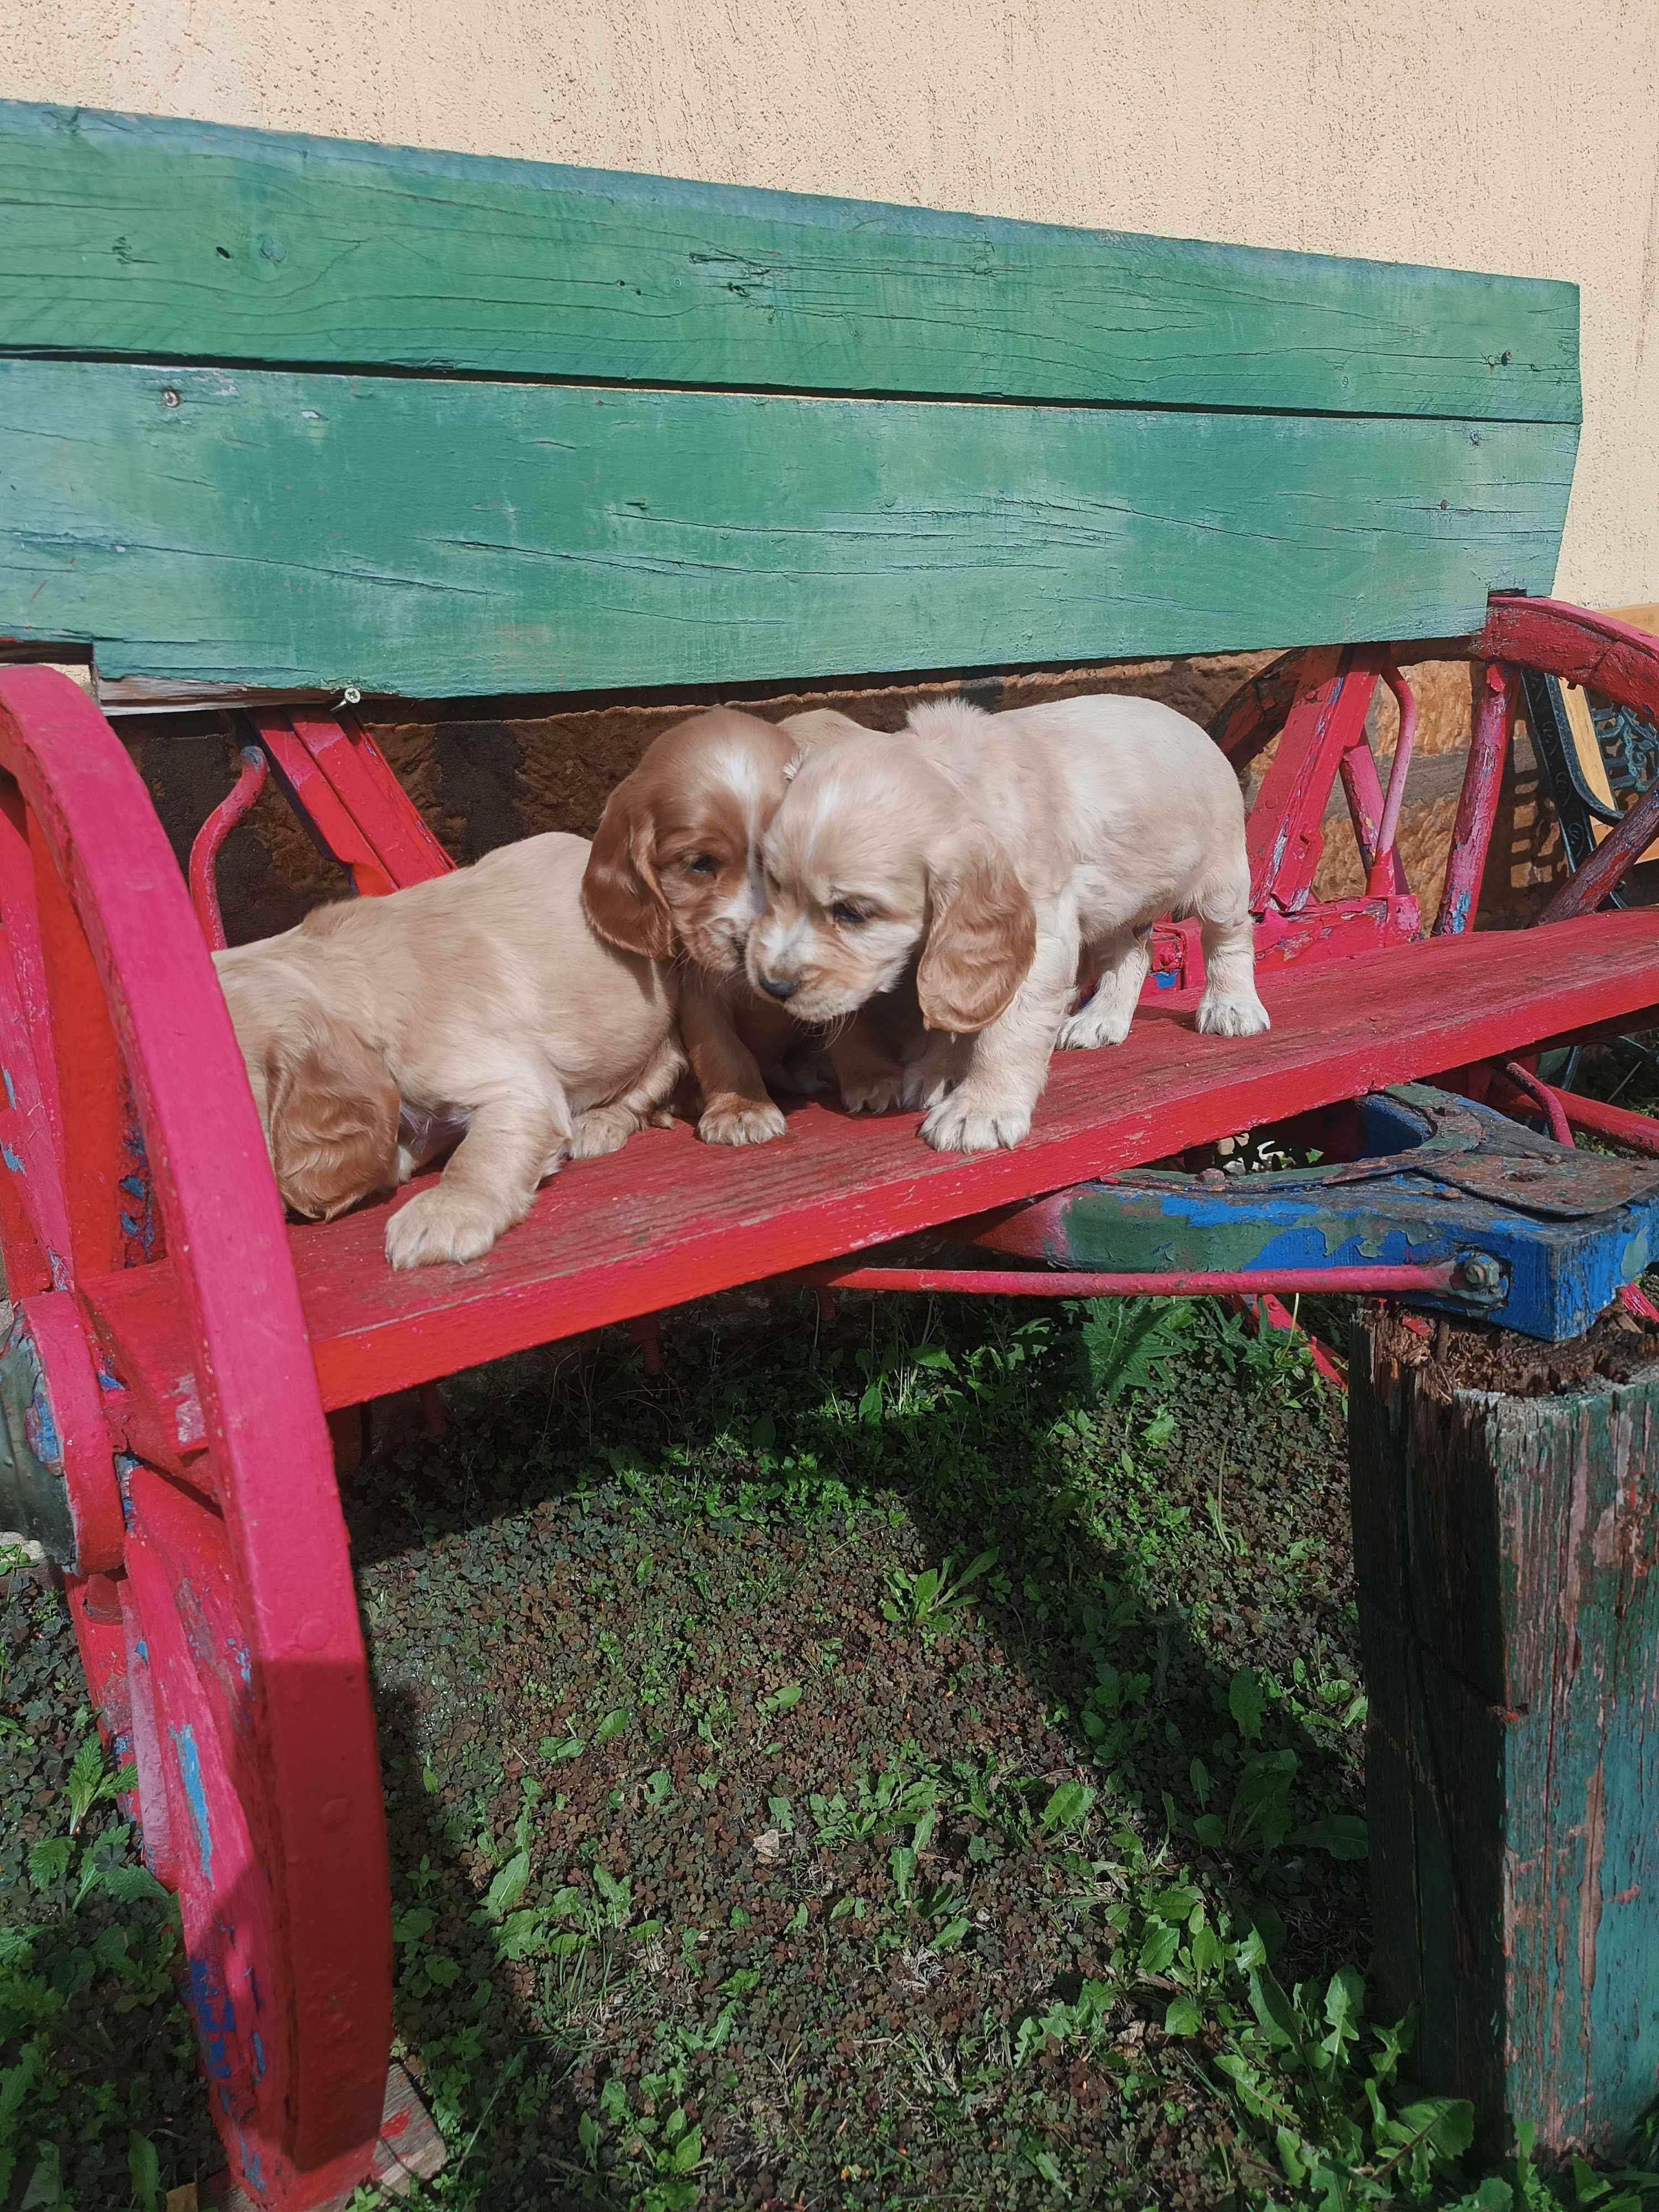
[479, 1006]
[1016, 858]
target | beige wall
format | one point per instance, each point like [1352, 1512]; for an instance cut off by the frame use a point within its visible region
[1513, 135]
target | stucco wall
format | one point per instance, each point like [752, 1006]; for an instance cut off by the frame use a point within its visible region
[1512, 134]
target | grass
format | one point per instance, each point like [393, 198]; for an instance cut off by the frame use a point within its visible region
[913, 1760]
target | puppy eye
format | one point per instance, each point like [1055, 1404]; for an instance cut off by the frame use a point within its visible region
[702, 865]
[849, 917]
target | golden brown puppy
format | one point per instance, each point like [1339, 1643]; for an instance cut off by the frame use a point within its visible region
[480, 1008]
[1009, 856]
[675, 870]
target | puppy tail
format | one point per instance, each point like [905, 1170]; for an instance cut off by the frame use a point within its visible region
[946, 720]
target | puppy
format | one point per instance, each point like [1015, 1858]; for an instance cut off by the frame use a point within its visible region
[478, 1006]
[675, 870]
[1019, 854]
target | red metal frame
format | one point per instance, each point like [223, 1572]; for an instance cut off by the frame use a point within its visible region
[204, 853]
[1061, 1283]
[1560, 1111]
[1477, 805]
[1606, 868]
[1386, 874]
[341, 785]
[1640, 1132]
[1268, 1312]
[144, 1242]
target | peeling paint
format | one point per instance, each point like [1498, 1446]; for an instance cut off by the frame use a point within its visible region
[1439, 1180]
[11, 1159]
[1589, 1897]
[190, 1775]
[40, 1428]
[216, 2019]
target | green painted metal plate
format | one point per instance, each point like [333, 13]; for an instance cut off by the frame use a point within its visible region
[423, 537]
[156, 238]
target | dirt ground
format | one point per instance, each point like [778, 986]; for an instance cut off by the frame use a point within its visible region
[908, 1759]
[858, 1767]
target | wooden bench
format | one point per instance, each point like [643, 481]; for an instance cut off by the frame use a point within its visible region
[283, 420]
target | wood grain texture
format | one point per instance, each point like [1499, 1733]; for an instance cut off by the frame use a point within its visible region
[1510, 1618]
[432, 538]
[135, 235]
[667, 1218]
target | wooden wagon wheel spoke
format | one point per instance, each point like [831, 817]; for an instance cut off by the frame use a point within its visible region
[223, 1639]
[200, 1723]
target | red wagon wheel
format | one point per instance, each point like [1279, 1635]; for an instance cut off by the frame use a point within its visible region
[206, 1554]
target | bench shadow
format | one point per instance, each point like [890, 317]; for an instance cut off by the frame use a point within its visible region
[1008, 1447]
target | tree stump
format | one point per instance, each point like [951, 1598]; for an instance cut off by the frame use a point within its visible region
[1504, 1532]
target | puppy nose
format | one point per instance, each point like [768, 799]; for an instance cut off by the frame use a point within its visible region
[779, 987]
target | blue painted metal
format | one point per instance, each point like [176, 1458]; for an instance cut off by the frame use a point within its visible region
[1544, 1235]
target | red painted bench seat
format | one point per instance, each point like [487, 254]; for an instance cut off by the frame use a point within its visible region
[668, 1219]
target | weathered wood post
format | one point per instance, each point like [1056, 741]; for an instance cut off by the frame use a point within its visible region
[1509, 1623]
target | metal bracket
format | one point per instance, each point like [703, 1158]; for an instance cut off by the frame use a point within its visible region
[1542, 1236]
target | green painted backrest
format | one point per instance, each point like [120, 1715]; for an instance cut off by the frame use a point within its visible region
[296, 413]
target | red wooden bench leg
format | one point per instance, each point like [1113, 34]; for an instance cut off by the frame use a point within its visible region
[209, 1580]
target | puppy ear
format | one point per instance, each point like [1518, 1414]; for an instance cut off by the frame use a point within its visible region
[620, 895]
[334, 1111]
[981, 941]
[820, 726]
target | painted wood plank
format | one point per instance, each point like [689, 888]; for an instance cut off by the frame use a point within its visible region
[137, 235]
[426, 537]
[1510, 1617]
[667, 1218]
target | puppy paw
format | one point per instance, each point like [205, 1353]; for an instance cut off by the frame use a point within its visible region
[439, 1224]
[740, 1121]
[935, 1074]
[874, 1094]
[602, 1129]
[1232, 1017]
[963, 1123]
[1092, 1026]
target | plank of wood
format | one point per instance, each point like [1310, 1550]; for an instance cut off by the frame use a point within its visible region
[429, 539]
[668, 1219]
[143, 236]
[1510, 1620]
